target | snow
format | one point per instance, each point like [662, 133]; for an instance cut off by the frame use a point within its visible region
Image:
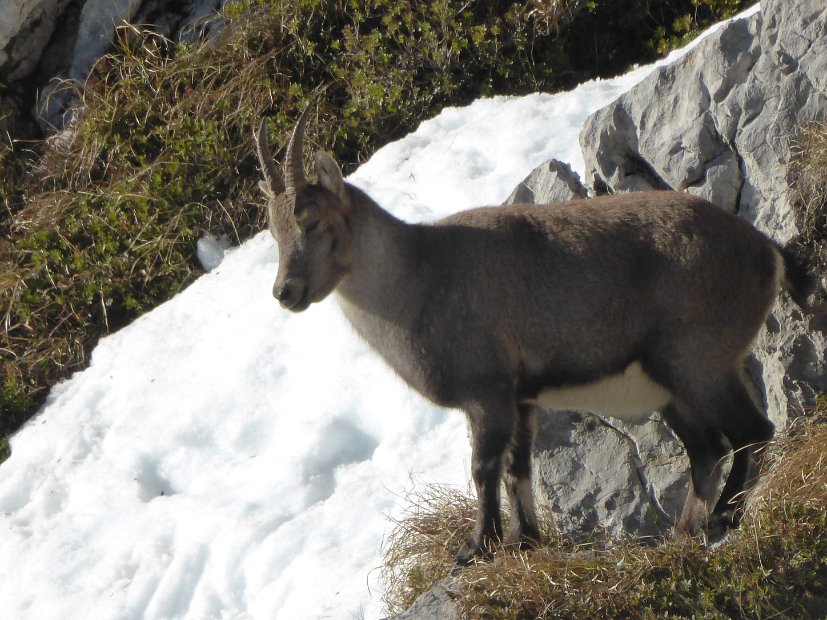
[223, 458]
[210, 250]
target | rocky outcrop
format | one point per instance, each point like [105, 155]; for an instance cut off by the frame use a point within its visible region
[26, 26]
[591, 472]
[39, 59]
[718, 123]
[721, 123]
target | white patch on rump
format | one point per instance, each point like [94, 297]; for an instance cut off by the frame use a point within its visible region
[628, 395]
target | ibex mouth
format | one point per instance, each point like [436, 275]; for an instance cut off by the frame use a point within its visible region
[301, 305]
[294, 295]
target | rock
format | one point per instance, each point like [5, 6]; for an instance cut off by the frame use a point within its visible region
[549, 182]
[25, 29]
[717, 123]
[435, 604]
[601, 473]
[720, 123]
[665, 131]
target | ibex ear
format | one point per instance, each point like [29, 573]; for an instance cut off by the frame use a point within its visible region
[329, 174]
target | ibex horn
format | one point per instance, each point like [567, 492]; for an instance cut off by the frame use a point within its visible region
[294, 179]
[265, 160]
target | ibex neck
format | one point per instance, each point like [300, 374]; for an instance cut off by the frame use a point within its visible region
[383, 250]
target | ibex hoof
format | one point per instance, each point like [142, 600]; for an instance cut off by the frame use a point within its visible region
[471, 552]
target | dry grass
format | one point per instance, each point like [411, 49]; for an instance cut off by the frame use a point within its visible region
[796, 471]
[810, 190]
[774, 566]
[421, 550]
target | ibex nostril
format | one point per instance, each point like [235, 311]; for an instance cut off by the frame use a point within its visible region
[290, 293]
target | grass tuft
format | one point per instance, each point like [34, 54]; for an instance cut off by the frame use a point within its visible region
[810, 191]
[437, 521]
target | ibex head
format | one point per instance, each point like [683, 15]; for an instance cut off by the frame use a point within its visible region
[308, 221]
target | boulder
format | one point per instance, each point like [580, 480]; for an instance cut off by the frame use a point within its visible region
[549, 182]
[717, 123]
[720, 123]
[594, 473]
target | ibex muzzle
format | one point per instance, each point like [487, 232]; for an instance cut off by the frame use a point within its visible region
[615, 305]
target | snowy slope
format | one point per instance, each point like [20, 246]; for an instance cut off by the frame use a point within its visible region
[222, 458]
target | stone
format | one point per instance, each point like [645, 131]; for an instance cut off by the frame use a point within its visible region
[594, 473]
[25, 29]
[438, 603]
[552, 181]
[717, 124]
[666, 129]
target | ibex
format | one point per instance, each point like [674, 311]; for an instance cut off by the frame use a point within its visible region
[617, 305]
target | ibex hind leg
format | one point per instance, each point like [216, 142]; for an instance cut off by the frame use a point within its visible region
[706, 449]
[523, 527]
[748, 431]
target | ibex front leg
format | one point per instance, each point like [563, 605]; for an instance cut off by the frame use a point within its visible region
[492, 421]
[523, 528]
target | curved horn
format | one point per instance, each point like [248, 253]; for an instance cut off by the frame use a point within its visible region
[265, 160]
[294, 179]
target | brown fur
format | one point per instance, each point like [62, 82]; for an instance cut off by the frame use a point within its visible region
[484, 309]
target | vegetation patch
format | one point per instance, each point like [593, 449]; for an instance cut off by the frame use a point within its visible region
[775, 565]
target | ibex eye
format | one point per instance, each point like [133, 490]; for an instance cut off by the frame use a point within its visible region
[309, 228]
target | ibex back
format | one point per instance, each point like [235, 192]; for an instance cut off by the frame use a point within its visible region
[617, 305]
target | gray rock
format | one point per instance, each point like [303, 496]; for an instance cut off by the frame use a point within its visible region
[601, 473]
[552, 181]
[719, 123]
[666, 129]
[25, 29]
[437, 603]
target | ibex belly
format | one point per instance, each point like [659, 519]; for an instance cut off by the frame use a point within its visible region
[629, 395]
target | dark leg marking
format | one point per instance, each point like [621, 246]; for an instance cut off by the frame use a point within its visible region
[492, 426]
[748, 430]
[705, 448]
[523, 527]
